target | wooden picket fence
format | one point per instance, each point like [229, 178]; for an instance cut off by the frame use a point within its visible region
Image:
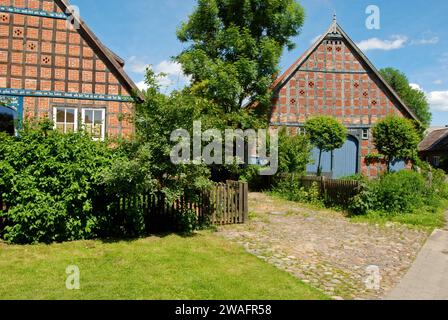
[228, 203]
[222, 204]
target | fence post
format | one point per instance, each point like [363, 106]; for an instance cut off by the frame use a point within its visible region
[323, 186]
[240, 203]
[245, 202]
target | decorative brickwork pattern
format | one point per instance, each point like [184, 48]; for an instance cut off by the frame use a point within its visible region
[335, 79]
[47, 54]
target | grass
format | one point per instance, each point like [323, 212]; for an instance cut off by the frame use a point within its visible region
[426, 218]
[172, 267]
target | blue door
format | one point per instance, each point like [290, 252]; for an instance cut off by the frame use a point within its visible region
[397, 165]
[345, 161]
[325, 162]
[340, 163]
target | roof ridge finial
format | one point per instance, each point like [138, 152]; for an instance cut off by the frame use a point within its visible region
[334, 25]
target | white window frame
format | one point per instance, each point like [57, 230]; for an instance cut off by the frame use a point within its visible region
[103, 127]
[55, 113]
[365, 134]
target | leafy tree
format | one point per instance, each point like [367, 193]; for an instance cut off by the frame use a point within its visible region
[157, 117]
[327, 134]
[294, 153]
[396, 139]
[234, 48]
[415, 99]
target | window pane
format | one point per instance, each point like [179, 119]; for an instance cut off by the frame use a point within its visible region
[60, 127]
[88, 116]
[70, 114]
[89, 128]
[99, 116]
[60, 115]
[70, 128]
[97, 132]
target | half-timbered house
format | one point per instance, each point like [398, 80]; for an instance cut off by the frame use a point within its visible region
[52, 65]
[335, 78]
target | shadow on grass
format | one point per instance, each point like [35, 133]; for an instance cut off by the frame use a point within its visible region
[160, 235]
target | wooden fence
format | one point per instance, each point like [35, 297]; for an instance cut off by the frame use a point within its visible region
[228, 203]
[224, 203]
[338, 192]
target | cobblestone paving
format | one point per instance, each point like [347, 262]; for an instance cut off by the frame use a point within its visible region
[325, 249]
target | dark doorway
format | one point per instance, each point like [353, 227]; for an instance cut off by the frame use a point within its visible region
[7, 120]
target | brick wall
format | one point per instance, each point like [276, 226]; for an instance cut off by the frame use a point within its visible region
[43, 53]
[335, 81]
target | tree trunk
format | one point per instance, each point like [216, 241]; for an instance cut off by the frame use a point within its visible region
[319, 169]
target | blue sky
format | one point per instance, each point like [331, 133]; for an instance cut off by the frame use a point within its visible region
[413, 37]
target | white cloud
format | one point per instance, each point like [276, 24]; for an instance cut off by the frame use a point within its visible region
[315, 39]
[168, 67]
[415, 86]
[433, 40]
[136, 65]
[438, 81]
[438, 100]
[173, 76]
[395, 42]
[142, 85]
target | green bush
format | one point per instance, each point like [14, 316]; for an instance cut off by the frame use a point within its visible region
[185, 221]
[43, 220]
[396, 193]
[291, 189]
[51, 182]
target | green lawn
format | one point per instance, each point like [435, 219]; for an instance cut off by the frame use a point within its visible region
[200, 267]
[426, 218]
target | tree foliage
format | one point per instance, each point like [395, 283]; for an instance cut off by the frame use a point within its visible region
[325, 133]
[293, 154]
[396, 138]
[415, 99]
[234, 47]
[157, 117]
[51, 182]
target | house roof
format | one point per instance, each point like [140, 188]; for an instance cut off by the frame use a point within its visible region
[436, 140]
[113, 61]
[336, 31]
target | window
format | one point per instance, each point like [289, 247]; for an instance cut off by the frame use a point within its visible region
[436, 161]
[65, 119]
[93, 121]
[301, 131]
[365, 134]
